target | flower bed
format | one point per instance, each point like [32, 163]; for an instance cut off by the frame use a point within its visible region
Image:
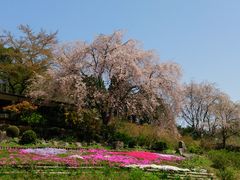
[75, 158]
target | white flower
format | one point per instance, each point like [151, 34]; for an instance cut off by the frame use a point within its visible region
[76, 156]
[45, 151]
[160, 167]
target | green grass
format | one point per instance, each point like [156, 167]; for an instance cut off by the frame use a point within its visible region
[88, 174]
[225, 164]
[197, 162]
[4, 154]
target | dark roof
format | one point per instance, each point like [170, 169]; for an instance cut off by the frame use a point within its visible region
[17, 98]
[11, 97]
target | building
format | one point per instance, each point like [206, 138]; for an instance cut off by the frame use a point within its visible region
[8, 99]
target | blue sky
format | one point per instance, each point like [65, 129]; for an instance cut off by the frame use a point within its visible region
[203, 36]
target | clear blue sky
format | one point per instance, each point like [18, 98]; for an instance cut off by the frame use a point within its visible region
[203, 36]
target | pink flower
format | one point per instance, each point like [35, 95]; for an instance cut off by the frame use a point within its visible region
[84, 156]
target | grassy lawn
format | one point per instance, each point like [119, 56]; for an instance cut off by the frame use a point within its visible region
[103, 173]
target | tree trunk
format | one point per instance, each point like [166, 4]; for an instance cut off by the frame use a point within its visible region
[224, 138]
[106, 117]
[223, 142]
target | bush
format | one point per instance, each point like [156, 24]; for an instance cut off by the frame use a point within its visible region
[55, 132]
[87, 124]
[146, 134]
[12, 131]
[122, 137]
[195, 149]
[208, 143]
[159, 146]
[226, 174]
[143, 141]
[196, 161]
[3, 127]
[28, 137]
[33, 119]
[108, 131]
[132, 143]
[23, 129]
[222, 159]
[189, 131]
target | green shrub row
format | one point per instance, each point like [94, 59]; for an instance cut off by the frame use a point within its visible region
[28, 137]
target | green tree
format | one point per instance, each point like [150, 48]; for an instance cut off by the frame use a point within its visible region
[22, 57]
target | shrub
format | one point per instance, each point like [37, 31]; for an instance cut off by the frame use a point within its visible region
[3, 127]
[108, 131]
[222, 159]
[12, 131]
[193, 146]
[189, 131]
[23, 129]
[146, 134]
[122, 137]
[143, 140]
[195, 149]
[55, 132]
[87, 124]
[208, 143]
[132, 143]
[23, 106]
[159, 146]
[33, 119]
[141, 135]
[226, 174]
[196, 161]
[28, 137]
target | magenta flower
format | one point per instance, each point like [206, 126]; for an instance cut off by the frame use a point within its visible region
[85, 157]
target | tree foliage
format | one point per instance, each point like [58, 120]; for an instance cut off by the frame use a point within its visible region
[227, 115]
[209, 111]
[117, 77]
[21, 107]
[197, 106]
[21, 57]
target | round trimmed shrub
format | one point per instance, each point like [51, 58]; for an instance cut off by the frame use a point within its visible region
[28, 137]
[12, 131]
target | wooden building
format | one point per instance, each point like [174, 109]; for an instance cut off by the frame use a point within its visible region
[8, 99]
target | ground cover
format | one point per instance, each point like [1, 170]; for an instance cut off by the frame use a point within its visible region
[81, 157]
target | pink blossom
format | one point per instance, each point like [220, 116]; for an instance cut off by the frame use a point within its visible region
[84, 156]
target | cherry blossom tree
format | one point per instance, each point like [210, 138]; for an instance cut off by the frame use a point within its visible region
[209, 111]
[197, 106]
[227, 114]
[117, 77]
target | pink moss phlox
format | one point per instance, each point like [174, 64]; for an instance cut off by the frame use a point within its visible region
[86, 157]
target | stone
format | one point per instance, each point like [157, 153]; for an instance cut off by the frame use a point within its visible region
[118, 145]
[181, 144]
[84, 144]
[181, 148]
[78, 144]
[3, 136]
